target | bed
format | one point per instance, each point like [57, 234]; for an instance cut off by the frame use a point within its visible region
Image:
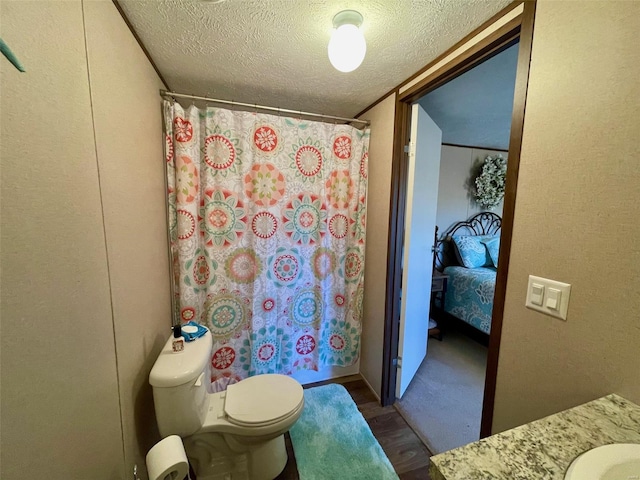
[467, 253]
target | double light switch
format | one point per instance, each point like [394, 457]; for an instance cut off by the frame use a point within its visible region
[548, 296]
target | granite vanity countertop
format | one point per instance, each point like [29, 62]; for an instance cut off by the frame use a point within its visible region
[545, 448]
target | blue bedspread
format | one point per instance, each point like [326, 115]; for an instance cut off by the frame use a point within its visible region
[469, 295]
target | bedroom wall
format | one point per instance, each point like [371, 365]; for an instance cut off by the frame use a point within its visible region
[84, 264]
[576, 217]
[458, 167]
[378, 203]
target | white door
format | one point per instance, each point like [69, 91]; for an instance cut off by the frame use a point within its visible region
[419, 229]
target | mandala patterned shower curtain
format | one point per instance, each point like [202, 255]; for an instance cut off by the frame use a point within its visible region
[267, 227]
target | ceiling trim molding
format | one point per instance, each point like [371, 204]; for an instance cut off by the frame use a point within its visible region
[506, 22]
[144, 49]
[490, 22]
[384, 97]
[476, 147]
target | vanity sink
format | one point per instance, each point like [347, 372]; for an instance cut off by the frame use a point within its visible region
[605, 431]
[618, 461]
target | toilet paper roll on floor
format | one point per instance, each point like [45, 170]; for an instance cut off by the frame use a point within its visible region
[167, 460]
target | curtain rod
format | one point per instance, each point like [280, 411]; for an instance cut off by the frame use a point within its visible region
[165, 93]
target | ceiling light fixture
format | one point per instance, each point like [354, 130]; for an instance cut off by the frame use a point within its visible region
[347, 46]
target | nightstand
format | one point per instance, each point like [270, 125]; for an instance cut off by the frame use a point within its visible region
[438, 291]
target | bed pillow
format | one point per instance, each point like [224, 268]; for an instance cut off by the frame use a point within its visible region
[470, 250]
[493, 247]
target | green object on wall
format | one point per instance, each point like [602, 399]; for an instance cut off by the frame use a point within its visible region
[6, 51]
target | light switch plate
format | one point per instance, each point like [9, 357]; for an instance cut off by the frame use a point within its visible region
[551, 289]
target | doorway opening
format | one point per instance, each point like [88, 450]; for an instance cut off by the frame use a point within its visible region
[404, 256]
[457, 160]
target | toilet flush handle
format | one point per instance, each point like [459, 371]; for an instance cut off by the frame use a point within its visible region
[199, 380]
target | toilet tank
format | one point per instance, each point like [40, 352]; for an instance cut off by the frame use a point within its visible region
[179, 382]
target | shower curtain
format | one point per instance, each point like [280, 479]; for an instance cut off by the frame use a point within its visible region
[267, 228]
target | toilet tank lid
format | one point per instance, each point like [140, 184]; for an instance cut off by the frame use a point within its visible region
[174, 369]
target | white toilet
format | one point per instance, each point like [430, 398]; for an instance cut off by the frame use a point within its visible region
[236, 434]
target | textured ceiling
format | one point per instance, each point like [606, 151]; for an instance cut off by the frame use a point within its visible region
[274, 52]
[475, 108]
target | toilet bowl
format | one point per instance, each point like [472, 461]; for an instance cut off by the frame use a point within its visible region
[238, 433]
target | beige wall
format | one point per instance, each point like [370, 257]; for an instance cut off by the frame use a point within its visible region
[60, 412]
[84, 268]
[458, 167]
[378, 198]
[129, 140]
[576, 216]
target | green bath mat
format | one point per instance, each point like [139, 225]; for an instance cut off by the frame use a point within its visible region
[332, 440]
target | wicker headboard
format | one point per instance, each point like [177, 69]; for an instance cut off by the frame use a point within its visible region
[484, 223]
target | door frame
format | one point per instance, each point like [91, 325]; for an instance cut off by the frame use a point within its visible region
[519, 28]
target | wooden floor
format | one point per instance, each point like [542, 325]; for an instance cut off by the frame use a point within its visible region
[405, 450]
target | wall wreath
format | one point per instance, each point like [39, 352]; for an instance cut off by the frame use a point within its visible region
[490, 182]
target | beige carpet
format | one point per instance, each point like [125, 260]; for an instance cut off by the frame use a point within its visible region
[443, 403]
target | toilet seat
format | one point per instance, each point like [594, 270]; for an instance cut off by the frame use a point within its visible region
[262, 400]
